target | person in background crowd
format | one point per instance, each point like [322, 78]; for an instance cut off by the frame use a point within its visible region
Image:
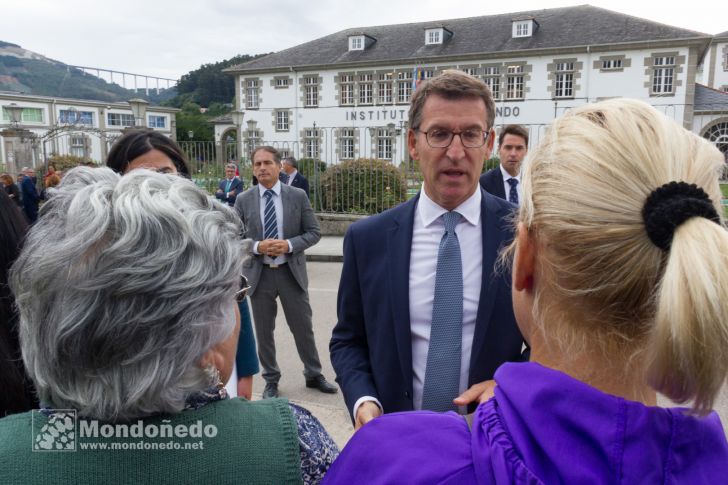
[506, 177]
[17, 392]
[424, 320]
[50, 181]
[11, 189]
[51, 171]
[282, 224]
[620, 285]
[293, 177]
[145, 148]
[126, 289]
[30, 195]
[230, 187]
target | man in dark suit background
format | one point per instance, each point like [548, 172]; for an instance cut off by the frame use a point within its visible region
[390, 309]
[30, 195]
[230, 187]
[282, 224]
[504, 181]
[291, 176]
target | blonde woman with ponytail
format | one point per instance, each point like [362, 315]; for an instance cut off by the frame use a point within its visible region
[620, 285]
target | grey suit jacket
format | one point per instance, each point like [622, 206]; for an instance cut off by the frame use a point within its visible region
[300, 227]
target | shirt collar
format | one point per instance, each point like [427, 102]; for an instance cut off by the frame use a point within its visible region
[507, 176]
[276, 188]
[429, 211]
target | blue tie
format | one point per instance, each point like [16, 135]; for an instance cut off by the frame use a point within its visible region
[269, 216]
[442, 374]
[284, 177]
[513, 194]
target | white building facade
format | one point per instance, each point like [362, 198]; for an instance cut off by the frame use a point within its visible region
[81, 128]
[347, 95]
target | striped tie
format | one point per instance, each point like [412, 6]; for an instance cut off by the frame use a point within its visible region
[269, 216]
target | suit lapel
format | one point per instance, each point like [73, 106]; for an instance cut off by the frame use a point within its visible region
[287, 211]
[492, 240]
[399, 248]
[256, 227]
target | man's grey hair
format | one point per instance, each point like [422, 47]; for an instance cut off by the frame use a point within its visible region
[231, 165]
[122, 286]
[291, 161]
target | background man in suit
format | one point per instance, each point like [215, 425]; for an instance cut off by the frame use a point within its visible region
[230, 186]
[282, 224]
[30, 195]
[390, 303]
[292, 176]
[506, 177]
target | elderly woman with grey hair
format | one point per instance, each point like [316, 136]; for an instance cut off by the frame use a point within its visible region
[128, 327]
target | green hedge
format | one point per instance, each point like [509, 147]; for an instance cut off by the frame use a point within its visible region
[363, 186]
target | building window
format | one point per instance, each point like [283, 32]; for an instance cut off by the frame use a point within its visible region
[157, 121]
[366, 89]
[491, 77]
[404, 87]
[514, 82]
[346, 137]
[434, 36]
[564, 80]
[77, 145]
[28, 115]
[663, 74]
[384, 144]
[281, 120]
[346, 89]
[472, 71]
[310, 86]
[611, 64]
[72, 117]
[385, 88]
[281, 82]
[251, 94]
[522, 28]
[311, 143]
[119, 119]
[356, 43]
[718, 134]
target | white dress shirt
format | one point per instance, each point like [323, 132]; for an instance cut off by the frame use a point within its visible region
[507, 186]
[429, 228]
[279, 221]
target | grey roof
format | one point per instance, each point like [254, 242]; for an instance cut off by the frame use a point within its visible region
[557, 28]
[722, 34]
[709, 99]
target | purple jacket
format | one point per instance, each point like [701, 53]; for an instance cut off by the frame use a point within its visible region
[542, 426]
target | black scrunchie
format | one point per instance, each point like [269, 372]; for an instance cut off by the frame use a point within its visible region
[672, 204]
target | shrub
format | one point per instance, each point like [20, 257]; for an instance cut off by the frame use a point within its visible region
[67, 162]
[313, 171]
[363, 186]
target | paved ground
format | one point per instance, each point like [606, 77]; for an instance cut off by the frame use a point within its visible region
[330, 409]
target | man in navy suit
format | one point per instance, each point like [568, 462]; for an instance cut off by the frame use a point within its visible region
[512, 149]
[380, 344]
[291, 176]
[230, 187]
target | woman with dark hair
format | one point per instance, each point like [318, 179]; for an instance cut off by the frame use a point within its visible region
[146, 148]
[16, 395]
[11, 189]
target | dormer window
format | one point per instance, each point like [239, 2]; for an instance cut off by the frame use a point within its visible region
[433, 36]
[437, 35]
[356, 43]
[523, 28]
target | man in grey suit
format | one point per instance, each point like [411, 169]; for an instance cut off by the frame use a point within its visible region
[280, 221]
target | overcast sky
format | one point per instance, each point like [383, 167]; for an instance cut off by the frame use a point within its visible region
[168, 38]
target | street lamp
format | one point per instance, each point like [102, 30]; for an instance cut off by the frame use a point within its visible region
[139, 110]
[16, 114]
[237, 117]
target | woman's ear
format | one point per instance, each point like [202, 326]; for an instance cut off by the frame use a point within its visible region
[524, 262]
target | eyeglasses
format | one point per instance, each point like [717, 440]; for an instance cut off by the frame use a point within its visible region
[243, 291]
[472, 138]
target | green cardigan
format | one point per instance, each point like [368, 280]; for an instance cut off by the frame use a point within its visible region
[229, 441]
